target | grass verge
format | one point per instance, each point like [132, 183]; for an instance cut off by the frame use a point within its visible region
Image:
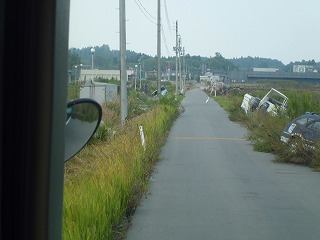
[265, 130]
[105, 181]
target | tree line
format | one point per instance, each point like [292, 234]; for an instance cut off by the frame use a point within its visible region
[105, 58]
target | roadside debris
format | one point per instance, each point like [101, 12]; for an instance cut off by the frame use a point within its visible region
[306, 128]
[273, 102]
[163, 92]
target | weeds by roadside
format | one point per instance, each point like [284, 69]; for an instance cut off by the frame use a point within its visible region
[265, 130]
[105, 181]
[297, 152]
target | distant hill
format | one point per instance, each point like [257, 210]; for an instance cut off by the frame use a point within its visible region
[245, 63]
[257, 62]
[105, 58]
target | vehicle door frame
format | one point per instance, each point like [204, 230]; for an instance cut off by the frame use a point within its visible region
[33, 97]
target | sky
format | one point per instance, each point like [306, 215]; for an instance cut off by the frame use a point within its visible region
[277, 29]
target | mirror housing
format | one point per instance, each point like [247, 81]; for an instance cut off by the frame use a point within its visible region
[82, 120]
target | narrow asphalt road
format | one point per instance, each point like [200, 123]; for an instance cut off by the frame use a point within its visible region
[210, 184]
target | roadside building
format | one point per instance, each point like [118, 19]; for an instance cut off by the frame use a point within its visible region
[88, 74]
[265, 69]
[208, 76]
[304, 69]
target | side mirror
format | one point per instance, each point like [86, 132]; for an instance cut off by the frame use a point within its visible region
[83, 119]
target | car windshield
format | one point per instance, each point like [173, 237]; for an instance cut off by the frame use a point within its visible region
[315, 126]
[304, 120]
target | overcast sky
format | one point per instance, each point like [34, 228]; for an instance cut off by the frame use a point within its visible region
[278, 29]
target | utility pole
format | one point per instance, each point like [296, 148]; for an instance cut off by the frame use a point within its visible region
[123, 67]
[180, 63]
[92, 52]
[140, 67]
[176, 48]
[159, 50]
[187, 72]
[183, 69]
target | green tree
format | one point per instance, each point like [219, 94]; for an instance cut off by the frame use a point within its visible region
[73, 59]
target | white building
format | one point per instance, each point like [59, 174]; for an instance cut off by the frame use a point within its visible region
[304, 68]
[265, 69]
[88, 74]
[209, 77]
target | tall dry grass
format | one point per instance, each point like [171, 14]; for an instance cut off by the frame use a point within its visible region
[103, 183]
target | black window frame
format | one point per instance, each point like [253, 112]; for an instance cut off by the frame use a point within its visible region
[33, 85]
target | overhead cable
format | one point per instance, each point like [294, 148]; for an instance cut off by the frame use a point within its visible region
[145, 12]
[167, 17]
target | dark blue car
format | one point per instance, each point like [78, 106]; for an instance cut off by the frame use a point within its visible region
[305, 127]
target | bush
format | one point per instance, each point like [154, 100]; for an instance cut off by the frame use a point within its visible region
[297, 152]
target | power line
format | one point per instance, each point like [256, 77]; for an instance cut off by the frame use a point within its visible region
[149, 16]
[165, 41]
[167, 17]
[145, 12]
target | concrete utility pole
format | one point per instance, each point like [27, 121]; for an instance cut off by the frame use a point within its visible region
[176, 48]
[180, 64]
[140, 68]
[92, 52]
[183, 69]
[123, 65]
[159, 49]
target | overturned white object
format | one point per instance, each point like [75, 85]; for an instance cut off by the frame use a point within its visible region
[273, 102]
[143, 141]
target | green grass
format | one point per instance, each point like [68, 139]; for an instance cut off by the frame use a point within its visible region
[105, 181]
[223, 101]
[232, 103]
[73, 91]
[301, 102]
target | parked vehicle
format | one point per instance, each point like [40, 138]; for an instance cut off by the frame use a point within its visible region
[273, 102]
[305, 128]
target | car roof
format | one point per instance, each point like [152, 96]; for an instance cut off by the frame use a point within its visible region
[310, 115]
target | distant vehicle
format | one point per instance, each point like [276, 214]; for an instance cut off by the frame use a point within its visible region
[305, 127]
[164, 92]
[273, 102]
